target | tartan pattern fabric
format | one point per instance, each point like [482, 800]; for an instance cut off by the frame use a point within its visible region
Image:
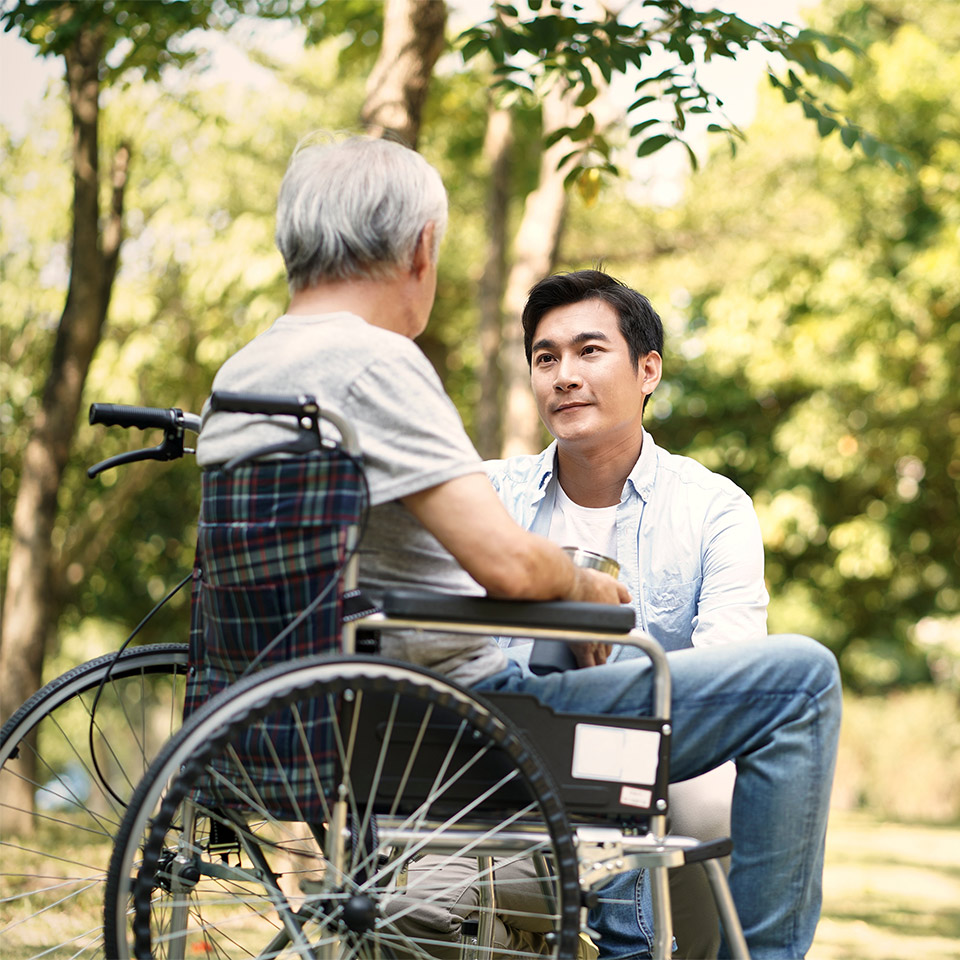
[271, 537]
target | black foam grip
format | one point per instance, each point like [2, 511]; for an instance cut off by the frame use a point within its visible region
[122, 415]
[269, 404]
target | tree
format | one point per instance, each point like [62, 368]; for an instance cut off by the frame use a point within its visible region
[813, 347]
[534, 255]
[84, 35]
[412, 40]
[555, 47]
[123, 39]
[94, 256]
[497, 151]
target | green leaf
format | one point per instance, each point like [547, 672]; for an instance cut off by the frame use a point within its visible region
[642, 102]
[640, 127]
[587, 95]
[849, 135]
[572, 177]
[660, 76]
[653, 144]
[826, 125]
[584, 128]
[556, 136]
[833, 75]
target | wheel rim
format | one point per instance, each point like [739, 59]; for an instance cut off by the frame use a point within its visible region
[59, 815]
[289, 890]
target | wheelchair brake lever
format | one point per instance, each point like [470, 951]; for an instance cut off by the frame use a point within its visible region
[171, 448]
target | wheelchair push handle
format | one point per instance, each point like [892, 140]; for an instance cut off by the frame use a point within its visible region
[171, 420]
[265, 403]
[304, 407]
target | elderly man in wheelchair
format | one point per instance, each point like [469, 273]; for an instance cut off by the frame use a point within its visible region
[431, 799]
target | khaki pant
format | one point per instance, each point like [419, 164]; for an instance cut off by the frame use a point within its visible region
[442, 892]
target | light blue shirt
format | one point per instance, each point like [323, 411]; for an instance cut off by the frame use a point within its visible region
[688, 544]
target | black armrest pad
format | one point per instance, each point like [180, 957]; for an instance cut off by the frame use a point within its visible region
[710, 850]
[557, 614]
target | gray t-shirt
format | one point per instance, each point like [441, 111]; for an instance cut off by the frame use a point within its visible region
[411, 437]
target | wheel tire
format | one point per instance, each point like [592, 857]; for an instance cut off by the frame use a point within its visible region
[289, 889]
[59, 810]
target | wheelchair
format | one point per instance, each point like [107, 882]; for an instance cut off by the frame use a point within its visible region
[318, 795]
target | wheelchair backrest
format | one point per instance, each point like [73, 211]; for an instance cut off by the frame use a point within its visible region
[274, 538]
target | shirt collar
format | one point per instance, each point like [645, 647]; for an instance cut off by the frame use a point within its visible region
[644, 473]
[545, 470]
[642, 477]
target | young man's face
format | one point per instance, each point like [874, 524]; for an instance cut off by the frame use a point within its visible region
[588, 391]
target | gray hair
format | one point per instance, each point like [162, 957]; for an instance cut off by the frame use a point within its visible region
[355, 209]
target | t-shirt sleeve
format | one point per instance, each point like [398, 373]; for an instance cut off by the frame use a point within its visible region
[410, 433]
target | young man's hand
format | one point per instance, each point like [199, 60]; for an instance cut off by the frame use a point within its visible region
[592, 586]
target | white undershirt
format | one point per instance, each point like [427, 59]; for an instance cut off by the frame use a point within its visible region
[590, 528]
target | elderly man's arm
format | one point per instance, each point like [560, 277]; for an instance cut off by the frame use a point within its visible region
[466, 516]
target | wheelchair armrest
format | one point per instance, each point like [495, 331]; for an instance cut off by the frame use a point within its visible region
[508, 614]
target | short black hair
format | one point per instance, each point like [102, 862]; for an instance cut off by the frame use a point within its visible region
[639, 323]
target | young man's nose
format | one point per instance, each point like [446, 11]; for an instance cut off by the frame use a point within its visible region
[568, 376]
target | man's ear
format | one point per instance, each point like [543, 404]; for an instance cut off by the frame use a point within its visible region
[650, 372]
[423, 251]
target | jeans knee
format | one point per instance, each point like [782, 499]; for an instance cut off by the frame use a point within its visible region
[815, 665]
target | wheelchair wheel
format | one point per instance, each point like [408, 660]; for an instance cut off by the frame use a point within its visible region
[61, 803]
[423, 778]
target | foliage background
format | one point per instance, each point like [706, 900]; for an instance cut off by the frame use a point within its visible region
[811, 298]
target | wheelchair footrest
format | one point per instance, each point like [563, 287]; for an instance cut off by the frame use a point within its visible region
[710, 850]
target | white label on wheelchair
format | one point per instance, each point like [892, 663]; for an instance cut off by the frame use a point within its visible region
[615, 754]
[635, 797]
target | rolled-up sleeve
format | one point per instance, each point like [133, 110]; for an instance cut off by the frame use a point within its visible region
[733, 599]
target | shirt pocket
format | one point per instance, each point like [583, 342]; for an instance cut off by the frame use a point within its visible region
[670, 608]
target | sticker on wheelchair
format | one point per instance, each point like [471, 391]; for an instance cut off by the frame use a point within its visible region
[615, 754]
[635, 797]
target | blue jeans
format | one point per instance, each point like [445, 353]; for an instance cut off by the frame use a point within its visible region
[773, 706]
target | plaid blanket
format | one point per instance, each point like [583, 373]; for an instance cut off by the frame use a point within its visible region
[271, 537]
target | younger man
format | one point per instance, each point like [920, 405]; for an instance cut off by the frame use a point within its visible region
[687, 540]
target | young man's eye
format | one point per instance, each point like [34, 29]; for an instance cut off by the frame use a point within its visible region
[542, 358]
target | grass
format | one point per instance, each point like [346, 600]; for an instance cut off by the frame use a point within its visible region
[891, 891]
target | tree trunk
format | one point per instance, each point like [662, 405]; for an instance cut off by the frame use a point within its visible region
[535, 253]
[398, 84]
[30, 612]
[497, 152]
